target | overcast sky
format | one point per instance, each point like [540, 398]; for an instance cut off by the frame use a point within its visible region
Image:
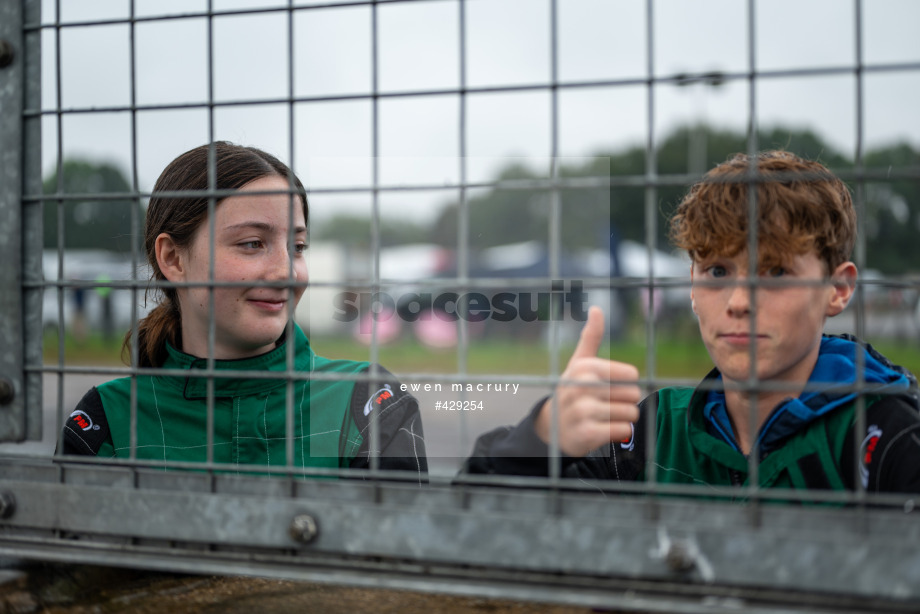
[507, 43]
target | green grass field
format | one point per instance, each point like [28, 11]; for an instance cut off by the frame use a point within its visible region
[675, 356]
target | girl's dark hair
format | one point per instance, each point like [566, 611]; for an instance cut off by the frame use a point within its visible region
[180, 216]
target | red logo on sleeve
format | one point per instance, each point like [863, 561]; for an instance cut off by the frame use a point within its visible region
[869, 444]
[82, 420]
[630, 442]
[378, 398]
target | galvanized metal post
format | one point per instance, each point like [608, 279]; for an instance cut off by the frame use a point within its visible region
[16, 390]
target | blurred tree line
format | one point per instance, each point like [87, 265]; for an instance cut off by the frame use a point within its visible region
[93, 223]
[590, 215]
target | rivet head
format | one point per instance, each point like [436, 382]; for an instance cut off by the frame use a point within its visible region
[7, 392]
[679, 558]
[6, 54]
[303, 528]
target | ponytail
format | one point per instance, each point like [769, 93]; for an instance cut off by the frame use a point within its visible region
[160, 325]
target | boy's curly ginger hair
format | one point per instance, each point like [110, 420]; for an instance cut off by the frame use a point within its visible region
[802, 207]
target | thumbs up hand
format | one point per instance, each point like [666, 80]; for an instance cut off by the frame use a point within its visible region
[592, 414]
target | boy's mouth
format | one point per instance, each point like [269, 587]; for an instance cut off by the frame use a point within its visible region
[741, 337]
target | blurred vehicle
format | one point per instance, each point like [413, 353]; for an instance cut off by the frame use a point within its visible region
[637, 263]
[498, 301]
[419, 281]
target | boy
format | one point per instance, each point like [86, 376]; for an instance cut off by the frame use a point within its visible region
[763, 327]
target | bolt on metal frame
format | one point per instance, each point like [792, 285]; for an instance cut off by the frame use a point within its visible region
[653, 547]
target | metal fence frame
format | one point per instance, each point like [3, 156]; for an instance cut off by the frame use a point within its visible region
[634, 547]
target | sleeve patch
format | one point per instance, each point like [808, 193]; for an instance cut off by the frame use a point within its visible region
[866, 450]
[86, 429]
[380, 399]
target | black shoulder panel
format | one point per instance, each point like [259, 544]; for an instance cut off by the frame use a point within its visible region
[86, 429]
[402, 442]
[889, 450]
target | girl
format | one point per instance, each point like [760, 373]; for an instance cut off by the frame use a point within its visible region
[251, 288]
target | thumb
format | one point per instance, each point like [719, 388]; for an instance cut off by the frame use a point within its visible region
[591, 335]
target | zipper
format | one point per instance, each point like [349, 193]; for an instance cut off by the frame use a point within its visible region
[736, 478]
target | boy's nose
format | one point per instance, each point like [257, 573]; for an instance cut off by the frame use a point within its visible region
[739, 298]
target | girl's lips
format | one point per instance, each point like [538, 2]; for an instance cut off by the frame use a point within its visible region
[272, 306]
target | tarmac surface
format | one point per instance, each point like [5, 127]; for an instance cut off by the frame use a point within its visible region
[63, 589]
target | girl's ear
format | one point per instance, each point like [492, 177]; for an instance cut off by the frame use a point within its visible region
[170, 258]
[843, 284]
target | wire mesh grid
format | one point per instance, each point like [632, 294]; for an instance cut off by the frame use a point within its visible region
[557, 177]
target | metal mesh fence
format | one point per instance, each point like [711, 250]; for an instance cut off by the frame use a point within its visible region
[478, 173]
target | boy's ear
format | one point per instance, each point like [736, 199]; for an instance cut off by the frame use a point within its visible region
[843, 280]
[170, 258]
[692, 300]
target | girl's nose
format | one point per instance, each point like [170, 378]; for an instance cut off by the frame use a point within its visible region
[279, 264]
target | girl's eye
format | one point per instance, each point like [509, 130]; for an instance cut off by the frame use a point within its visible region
[251, 244]
[717, 270]
[300, 248]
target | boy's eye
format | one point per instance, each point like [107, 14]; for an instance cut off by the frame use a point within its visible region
[300, 248]
[717, 270]
[776, 271]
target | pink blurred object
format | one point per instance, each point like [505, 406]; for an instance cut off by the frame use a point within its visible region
[388, 327]
[435, 332]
